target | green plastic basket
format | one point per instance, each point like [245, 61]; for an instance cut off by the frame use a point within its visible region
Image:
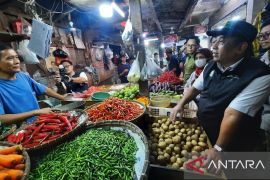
[100, 96]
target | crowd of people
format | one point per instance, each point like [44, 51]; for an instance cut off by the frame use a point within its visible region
[231, 88]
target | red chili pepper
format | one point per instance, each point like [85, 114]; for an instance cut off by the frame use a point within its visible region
[51, 127]
[40, 136]
[11, 138]
[37, 129]
[66, 121]
[31, 145]
[54, 137]
[48, 121]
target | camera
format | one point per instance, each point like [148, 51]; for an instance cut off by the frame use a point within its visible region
[63, 75]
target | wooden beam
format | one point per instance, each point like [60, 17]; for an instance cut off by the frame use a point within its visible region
[189, 11]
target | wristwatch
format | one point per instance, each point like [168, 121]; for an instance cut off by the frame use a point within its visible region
[218, 148]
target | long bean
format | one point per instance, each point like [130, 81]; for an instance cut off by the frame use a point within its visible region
[97, 154]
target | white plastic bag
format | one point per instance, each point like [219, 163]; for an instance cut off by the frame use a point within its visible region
[127, 35]
[28, 56]
[144, 72]
[108, 53]
[134, 72]
[153, 70]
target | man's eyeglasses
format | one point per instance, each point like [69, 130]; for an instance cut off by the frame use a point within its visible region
[191, 45]
[67, 66]
[263, 36]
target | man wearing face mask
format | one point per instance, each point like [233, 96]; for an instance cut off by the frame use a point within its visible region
[202, 56]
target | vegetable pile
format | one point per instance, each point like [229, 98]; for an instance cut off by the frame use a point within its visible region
[128, 93]
[11, 163]
[114, 109]
[45, 129]
[165, 86]
[144, 100]
[97, 154]
[88, 92]
[173, 144]
[169, 77]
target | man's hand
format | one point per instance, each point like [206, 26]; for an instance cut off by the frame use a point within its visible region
[211, 155]
[43, 111]
[177, 109]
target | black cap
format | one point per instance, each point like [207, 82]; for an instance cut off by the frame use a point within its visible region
[239, 28]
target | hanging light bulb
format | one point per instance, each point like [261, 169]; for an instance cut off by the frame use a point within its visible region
[105, 10]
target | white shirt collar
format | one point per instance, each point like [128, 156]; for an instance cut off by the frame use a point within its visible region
[265, 58]
[230, 68]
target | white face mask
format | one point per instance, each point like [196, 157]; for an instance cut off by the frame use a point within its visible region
[200, 63]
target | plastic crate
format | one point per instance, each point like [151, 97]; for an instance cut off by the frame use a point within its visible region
[190, 111]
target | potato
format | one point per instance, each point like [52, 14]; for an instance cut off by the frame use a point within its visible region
[167, 136]
[164, 120]
[194, 153]
[177, 156]
[176, 139]
[184, 136]
[171, 133]
[197, 148]
[183, 130]
[164, 127]
[173, 159]
[159, 122]
[180, 162]
[176, 131]
[161, 158]
[168, 141]
[189, 133]
[202, 139]
[188, 144]
[168, 150]
[162, 145]
[171, 127]
[197, 164]
[167, 156]
[203, 135]
[184, 159]
[194, 157]
[184, 152]
[186, 147]
[168, 123]
[182, 143]
[171, 146]
[176, 149]
[202, 144]
[174, 154]
[194, 137]
[177, 122]
[188, 138]
[198, 131]
[161, 136]
[194, 142]
[175, 165]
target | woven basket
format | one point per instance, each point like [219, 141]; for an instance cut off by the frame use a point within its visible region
[135, 120]
[13, 128]
[26, 158]
[82, 121]
[130, 129]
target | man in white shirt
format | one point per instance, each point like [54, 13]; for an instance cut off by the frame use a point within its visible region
[264, 39]
[233, 89]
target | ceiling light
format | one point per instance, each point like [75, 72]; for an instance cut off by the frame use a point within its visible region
[152, 39]
[172, 31]
[220, 27]
[235, 18]
[117, 9]
[105, 10]
[162, 45]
